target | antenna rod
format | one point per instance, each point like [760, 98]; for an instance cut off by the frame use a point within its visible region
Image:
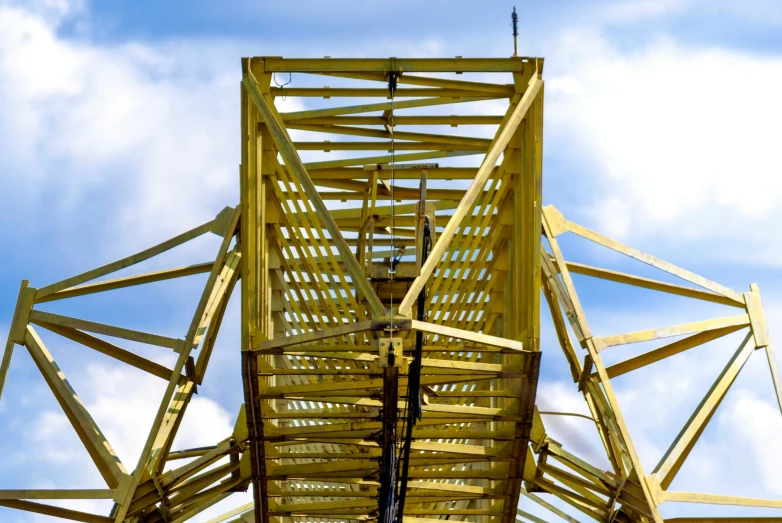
[515, 18]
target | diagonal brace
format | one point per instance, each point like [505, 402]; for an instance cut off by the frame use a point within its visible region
[501, 140]
[93, 439]
[293, 162]
[685, 441]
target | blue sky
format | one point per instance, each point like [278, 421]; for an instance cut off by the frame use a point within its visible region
[119, 129]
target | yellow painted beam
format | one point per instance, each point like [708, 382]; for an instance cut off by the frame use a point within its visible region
[39, 317]
[127, 281]
[293, 163]
[501, 139]
[57, 494]
[739, 320]
[57, 512]
[643, 257]
[671, 349]
[94, 441]
[125, 262]
[673, 459]
[409, 65]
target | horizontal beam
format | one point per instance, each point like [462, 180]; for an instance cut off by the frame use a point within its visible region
[39, 317]
[739, 320]
[125, 262]
[359, 92]
[127, 281]
[717, 499]
[319, 371]
[666, 351]
[350, 130]
[330, 388]
[724, 520]
[57, 494]
[429, 81]
[555, 217]
[109, 349]
[477, 337]
[443, 418]
[358, 503]
[386, 146]
[56, 512]
[330, 476]
[400, 120]
[380, 106]
[326, 351]
[384, 159]
[405, 65]
[401, 171]
[368, 429]
[334, 332]
[646, 283]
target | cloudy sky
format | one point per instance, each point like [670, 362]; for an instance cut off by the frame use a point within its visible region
[119, 129]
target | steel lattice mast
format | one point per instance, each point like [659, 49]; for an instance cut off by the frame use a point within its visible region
[342, 310]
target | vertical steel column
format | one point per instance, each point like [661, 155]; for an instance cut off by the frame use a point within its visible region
[255, 324]
[524, 318]
[388, 465]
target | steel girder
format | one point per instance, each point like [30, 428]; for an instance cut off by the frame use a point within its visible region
[328, 257]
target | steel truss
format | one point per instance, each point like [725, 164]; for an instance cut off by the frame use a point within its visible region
[329, 257]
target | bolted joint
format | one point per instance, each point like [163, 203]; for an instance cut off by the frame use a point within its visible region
[390, 352]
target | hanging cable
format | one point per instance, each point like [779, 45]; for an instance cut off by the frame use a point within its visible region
[392, 83]
[281, 86]
[414, 410]
[387, 492]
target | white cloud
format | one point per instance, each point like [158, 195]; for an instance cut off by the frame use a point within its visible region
[148, 134]
[678, 137]
[576, 434]
[680, 142]
[125, 417]
[758, 425]
[624, 11]
[147, 139]
[762, 12]
[657, 400]
[123, 403]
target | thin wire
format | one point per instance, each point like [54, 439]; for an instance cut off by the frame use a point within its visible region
[290, 79]
[575, 414]
[278, 84]
[392, 268]
[392, 274]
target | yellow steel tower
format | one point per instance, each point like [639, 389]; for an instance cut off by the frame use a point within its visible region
[390, 319]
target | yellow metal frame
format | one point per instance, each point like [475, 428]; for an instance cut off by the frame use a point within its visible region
[318, 406]
[328, 254]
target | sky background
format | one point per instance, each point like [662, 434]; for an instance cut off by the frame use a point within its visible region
[119, 129]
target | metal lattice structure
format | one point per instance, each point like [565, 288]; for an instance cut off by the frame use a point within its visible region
[390, 318]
